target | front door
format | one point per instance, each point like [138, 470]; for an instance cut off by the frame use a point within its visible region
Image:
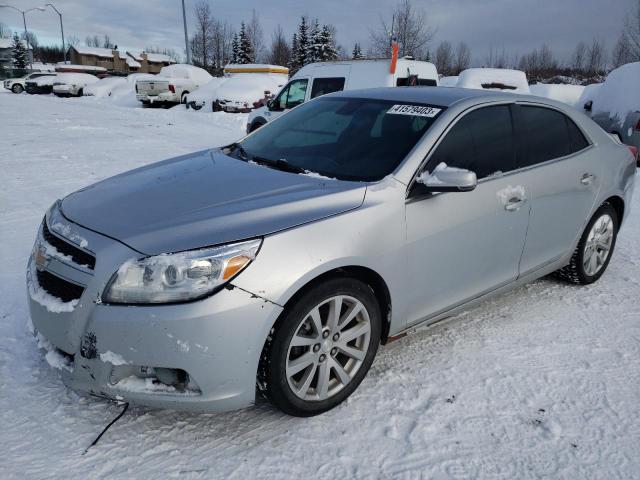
[292, 95]
[462, 245]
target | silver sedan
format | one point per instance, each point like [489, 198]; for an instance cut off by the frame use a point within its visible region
[278, 264]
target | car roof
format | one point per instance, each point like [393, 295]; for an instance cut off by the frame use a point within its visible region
[440, 96]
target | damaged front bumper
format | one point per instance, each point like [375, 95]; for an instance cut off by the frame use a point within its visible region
[197, 356]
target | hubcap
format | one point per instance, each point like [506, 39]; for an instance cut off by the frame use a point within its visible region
[341, 328]
[598, 245]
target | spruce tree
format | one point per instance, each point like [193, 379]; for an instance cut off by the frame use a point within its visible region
[314, 48]
[303, 43]
[357, 52]
[245, 49]
[234, 48]
[19, 53]
[326, 49]
[293, 63]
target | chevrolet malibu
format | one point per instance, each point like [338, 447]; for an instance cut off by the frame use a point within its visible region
[278, 264]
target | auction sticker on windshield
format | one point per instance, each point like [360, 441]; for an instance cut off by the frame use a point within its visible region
[414, 110]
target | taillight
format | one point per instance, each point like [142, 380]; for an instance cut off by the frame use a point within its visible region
[172, 88]
[638, 126]
[634, 152]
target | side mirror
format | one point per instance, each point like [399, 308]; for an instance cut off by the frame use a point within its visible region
[588, 106]
[447, 179]
[271, 104]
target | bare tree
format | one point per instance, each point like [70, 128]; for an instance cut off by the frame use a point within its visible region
[201, 42]
[548, 63]
[93, 41]
[279, 53]
[222, 44]
[578, 58]
[498, 58]
[106, 42]
[632, 30]
[444, 58]
[72, 40]
[411, 28]
[622, 51]
[463, 58]
[255, 35]
[5, 31]
[31, 39]
[596, 57]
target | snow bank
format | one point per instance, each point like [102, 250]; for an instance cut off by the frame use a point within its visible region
[250, 87]
[449, 81]
[569, 94]
[113, 358]
[104, 87]
[620, 93]
[494, 79]
[208, 92]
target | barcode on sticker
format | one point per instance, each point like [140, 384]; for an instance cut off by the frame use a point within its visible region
[414, 110]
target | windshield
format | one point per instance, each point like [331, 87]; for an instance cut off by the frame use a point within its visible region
[345, 138]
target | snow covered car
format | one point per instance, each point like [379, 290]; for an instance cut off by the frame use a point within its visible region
[40, 86]
[615, 104]
[506, 79]
[241, 89]
[318, 79]
[103, 87]
[171, 85]
[18, 85]
[285, 259]
[569, 94]
[72, 84]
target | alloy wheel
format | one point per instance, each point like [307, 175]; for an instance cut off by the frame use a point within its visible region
[598, 244]
[328, 348]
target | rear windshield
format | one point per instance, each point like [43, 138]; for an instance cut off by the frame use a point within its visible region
[345, 138]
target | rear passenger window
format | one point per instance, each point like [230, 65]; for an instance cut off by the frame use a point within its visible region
[322, 86]
[578, 141]
[482, 141]
[546, 134]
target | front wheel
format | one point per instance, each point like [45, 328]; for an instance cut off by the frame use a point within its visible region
[322, 347]
[594, 250]
[17, 88]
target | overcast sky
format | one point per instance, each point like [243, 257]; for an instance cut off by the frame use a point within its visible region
[516, 25]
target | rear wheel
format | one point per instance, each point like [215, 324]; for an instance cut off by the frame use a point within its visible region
[255, 126]
[17, 88]
[322, 347]
[594, 250]
[183, 98]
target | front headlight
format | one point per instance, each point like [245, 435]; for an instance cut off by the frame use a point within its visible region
[179, 277]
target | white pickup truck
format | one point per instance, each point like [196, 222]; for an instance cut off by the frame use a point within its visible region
[171, 85]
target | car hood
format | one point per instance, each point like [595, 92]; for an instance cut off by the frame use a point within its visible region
[205, 198]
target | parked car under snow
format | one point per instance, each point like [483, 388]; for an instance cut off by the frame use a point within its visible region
[172, 85]
[72, 84]
[241, 89]
[42, 85]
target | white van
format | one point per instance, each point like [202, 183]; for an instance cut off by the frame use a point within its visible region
[318, 79]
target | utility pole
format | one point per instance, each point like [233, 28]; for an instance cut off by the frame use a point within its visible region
[186, 35]
[64, 50]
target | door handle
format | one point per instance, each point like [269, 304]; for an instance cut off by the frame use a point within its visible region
[587, 179]
[514, 204]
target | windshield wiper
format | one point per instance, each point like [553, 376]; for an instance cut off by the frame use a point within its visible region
[280, 164]
[243, 155]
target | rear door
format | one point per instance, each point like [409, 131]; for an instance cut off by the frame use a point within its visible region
[562, 174]
[462, 245]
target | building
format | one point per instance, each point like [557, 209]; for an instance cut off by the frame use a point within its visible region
[6, 52]
[118, 61]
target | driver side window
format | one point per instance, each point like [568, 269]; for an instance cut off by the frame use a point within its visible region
[293, 95]
[482, 141]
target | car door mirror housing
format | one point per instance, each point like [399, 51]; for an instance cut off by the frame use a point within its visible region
[447, 179]
[271, 104]
[588, 106]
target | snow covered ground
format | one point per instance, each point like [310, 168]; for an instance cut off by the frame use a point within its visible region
[541, 382]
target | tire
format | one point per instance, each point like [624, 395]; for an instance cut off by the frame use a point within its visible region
[323, 351]
[195, 106]
[17, 88]
[255, 126]
[80, 93]
[579, 271]
[183, 98]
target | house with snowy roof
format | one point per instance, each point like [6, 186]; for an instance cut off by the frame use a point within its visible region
[118, 61]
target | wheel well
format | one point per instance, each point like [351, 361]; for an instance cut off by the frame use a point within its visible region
[257, 124]
[618, 205]
[366, 275]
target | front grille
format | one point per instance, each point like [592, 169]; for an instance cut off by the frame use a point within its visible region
[79, 256]
[57, 287]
